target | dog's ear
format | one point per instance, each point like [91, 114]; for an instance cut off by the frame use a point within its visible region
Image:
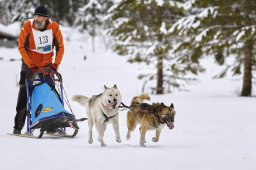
[115, 86]
[105, 87]
[172, 106]
[162, 105]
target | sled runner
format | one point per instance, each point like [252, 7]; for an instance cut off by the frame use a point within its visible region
[45, 105]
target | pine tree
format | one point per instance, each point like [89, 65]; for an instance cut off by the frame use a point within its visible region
[74, 7]
[91, 15]
[5, 11]
[17, 10]
[140, 31]
[222, 29]
[89, 18]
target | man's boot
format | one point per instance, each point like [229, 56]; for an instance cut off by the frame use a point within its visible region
[16, 131]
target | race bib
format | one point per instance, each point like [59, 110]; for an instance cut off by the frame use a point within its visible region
[43, 41]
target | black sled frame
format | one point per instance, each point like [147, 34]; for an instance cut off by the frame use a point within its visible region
[54, 125]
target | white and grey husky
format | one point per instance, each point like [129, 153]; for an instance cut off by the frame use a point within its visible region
[102, 109]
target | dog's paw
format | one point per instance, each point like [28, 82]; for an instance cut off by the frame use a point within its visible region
[101, 141]
[118, 140]
[90, 141]
[142, 144]
[103, 144]
[128, 136]
[154, 139]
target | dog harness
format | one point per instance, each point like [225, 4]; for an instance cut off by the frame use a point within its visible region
[106, 117]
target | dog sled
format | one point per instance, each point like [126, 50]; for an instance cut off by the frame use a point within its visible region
[45, 106]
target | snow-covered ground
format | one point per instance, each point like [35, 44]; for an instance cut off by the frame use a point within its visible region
[214, 128]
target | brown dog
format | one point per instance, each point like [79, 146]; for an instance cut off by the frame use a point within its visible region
[150, 117]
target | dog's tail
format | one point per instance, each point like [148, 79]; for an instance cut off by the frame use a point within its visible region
[139, 99]
[82, 100]
[144, 97]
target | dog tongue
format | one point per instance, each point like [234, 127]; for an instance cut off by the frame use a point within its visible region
[111, 105]
[170, 125]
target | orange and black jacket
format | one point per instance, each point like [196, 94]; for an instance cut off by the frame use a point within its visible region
[27, 45]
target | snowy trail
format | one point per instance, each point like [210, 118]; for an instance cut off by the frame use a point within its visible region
[214, 129]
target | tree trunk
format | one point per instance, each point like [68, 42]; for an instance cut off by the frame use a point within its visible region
[159, 86]
[93, 43]
[159, 76]
[247, 79]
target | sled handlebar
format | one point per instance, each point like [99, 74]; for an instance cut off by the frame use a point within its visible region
[42, 72]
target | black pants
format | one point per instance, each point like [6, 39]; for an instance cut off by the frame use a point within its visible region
[21, 107]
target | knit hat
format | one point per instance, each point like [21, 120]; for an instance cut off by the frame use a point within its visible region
[41, 11]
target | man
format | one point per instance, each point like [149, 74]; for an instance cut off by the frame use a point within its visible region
[38, 37]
